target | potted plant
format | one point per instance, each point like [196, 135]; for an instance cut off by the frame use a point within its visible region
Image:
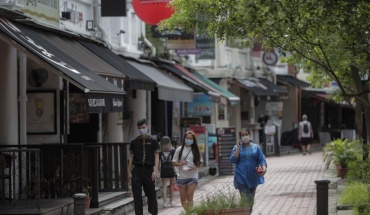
[87, 191]
[223, 203]
[341, 152]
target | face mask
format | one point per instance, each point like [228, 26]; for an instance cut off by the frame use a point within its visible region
[246, 139]
[143, 131]
[188, 142]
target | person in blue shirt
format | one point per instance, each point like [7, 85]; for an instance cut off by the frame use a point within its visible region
[250, 166]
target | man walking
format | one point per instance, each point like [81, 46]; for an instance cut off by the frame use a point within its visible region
[144, 157]
[305, 134]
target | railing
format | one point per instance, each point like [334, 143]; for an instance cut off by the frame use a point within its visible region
[66, 168]
[24, 171]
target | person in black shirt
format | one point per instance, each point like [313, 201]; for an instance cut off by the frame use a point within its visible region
[144, 157]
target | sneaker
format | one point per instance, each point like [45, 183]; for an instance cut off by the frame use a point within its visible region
[304, 153]
[165, 204]
[171, 204]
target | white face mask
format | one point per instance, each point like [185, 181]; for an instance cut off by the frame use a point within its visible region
[246, 139]
[143, 131]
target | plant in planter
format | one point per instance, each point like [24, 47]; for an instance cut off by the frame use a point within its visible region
[341, 152]
[87, 191]
[223, 203]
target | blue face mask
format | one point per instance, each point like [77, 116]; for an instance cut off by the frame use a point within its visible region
[143, 131]
[188, 142]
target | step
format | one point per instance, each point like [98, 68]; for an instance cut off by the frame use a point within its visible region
[122, 205]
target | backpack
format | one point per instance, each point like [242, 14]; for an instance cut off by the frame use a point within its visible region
[305, 127]
[167, 169]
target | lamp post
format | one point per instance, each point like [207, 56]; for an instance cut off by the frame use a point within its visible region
[364, 80]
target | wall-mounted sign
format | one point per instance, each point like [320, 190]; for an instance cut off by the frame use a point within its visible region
[270, 58]
[200, 106]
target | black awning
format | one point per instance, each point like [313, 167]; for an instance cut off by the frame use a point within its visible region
[136, 79]
[292, 80]
[197, 86]
[276, 88]
[256, 88]
[35, 41]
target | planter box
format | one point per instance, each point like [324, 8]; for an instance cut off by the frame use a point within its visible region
[233, 211]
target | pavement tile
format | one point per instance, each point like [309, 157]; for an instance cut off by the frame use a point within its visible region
[289, 188]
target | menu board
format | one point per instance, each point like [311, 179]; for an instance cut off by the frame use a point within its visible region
[226, 141]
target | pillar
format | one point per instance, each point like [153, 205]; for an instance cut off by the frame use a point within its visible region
[8, 95]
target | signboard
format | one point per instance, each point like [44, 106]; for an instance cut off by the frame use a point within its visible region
[175, 34]
[201, 135]
[226, 140]
[200, 106]
[186, 122]
[45, 11]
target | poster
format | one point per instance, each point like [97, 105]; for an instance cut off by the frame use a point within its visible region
[201, 135]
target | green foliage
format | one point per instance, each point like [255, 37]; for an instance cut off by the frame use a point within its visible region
[218, 201]
[356, 194]
[327, 38]
[359, 171]
[342, 152]
[87, 190]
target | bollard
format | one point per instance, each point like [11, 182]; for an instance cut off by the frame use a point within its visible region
[322, 197]
[79, 203]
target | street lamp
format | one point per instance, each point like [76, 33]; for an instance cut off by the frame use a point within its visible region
[364, 80]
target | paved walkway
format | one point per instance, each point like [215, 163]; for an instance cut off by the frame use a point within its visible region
[289, 188]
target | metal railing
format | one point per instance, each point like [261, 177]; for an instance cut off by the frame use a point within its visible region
[24, 171]
[64, 169]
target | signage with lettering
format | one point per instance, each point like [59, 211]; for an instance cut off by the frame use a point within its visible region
[94, 103]
[188, 121]
[226, 140]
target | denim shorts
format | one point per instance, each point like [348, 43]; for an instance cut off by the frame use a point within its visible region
[186, 181]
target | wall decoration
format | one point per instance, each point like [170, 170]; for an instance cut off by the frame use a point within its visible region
[41, 112]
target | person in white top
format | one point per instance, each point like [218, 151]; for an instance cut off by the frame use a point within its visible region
[305, 134]
[188, 159]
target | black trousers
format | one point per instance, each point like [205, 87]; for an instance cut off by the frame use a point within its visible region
[142, 178]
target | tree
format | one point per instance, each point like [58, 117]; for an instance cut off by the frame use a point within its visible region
[330, 38]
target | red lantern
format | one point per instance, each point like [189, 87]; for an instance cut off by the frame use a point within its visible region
[152, 11]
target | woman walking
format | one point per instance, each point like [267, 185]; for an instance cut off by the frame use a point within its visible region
[188, 159]
[167, 171]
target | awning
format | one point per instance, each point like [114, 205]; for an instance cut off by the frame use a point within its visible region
[59, 53]
[191, 80]
[275, 88]
[94, 63]
[292, 80]
[232, 99]
[169, 87]
[256, 88]
[136, 79]
[35, 41]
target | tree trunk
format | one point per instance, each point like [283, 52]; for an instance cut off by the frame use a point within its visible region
[361, 106]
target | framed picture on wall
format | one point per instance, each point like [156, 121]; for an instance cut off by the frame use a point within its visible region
[41, 112]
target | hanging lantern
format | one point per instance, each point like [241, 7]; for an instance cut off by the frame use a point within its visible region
[152, 11]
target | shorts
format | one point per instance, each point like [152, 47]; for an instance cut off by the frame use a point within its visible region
[305, 140]
[186, 181]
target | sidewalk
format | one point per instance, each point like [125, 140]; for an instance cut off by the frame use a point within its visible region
[289, 188]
